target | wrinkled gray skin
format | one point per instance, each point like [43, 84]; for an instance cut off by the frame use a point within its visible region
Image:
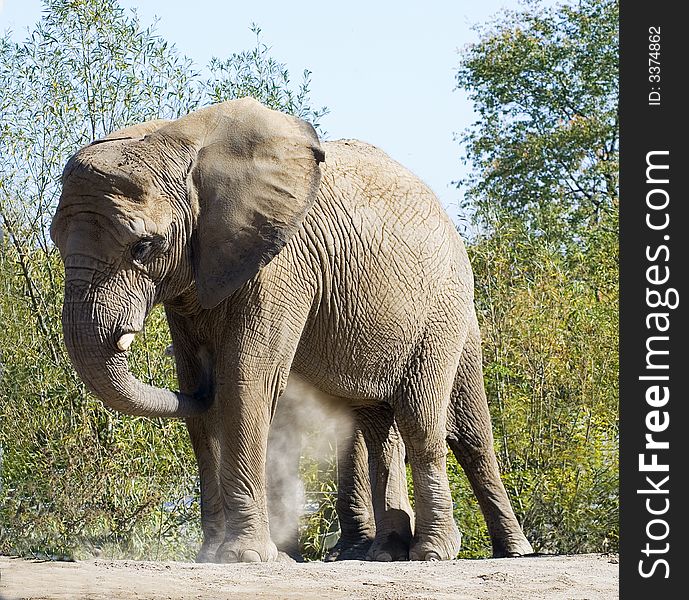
[268, 259]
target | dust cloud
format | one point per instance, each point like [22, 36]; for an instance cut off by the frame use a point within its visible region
[308, 424]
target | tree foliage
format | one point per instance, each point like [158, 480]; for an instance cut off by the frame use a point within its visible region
[257, 74]
[545, 150]
[544, 196]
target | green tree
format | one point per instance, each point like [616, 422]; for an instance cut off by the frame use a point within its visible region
[544, 82]
[74, 476]
[543, 192]
[257, 74]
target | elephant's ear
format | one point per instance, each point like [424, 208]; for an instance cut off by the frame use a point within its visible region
[256, 175]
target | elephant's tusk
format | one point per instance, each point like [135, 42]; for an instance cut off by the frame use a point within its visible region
[125, 341]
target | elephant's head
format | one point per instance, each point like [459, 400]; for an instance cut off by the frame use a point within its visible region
[153, 210]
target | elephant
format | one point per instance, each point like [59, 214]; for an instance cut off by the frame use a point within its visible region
[272, 253]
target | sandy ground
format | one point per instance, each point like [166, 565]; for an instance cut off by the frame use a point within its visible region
[559, 577]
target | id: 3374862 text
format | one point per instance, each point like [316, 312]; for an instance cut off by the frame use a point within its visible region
[654, 66]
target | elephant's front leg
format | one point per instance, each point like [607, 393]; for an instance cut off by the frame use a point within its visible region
[372, 481]
[246, 407]
[195, 375]
[205, 437]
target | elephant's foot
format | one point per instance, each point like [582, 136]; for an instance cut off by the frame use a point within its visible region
[511, 547]
[390, 547]
[245, 549]
[206, 555]
[439, 545]
[349, 549]
[393, 536]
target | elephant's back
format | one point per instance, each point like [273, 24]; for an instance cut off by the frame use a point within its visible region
[371, 203]
[387, 260]
[376, 181]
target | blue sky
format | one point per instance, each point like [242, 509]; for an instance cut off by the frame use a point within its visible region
[385, 69]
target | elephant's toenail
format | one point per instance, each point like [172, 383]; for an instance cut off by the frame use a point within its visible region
[251, 556]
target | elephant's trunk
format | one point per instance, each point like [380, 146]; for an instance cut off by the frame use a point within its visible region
[93, 350]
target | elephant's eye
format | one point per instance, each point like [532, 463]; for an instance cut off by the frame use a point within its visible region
[146, 249]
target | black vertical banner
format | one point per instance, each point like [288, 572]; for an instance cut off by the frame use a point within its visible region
[654, 341]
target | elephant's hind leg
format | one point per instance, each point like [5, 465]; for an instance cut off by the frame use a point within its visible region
[394, 518]
[470, 437]
[420, 408]
[354, 505]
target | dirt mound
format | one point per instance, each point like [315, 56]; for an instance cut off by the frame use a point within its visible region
[553, 577]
